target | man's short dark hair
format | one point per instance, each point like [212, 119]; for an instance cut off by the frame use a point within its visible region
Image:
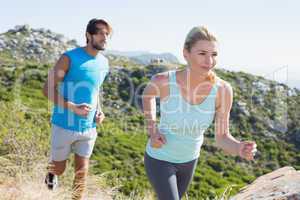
[92, 29]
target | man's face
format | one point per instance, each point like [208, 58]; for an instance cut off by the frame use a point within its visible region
[99, 39]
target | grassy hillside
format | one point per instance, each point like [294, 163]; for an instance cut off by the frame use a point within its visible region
[269, 115]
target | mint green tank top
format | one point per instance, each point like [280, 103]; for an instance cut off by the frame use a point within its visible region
[183, 124]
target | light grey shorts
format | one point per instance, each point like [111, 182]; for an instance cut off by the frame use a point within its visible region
[64, 141]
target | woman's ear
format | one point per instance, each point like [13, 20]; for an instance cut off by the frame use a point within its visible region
[185, 54]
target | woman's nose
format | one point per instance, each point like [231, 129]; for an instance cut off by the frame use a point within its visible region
[209, 60]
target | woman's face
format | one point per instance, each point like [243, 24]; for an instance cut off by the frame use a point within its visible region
[202, 55]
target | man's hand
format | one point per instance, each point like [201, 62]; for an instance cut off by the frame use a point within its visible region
[247, 150]
[82, 109]
[99, 117]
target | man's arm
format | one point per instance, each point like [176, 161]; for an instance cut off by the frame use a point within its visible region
[100, 96]
[99, 109]
[55, 75]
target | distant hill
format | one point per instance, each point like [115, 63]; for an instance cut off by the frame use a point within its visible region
[146, 58]
[26, 43]
[126, 53]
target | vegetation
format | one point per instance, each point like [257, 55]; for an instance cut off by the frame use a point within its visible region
[119, 150]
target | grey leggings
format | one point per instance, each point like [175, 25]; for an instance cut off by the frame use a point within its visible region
[169, 180]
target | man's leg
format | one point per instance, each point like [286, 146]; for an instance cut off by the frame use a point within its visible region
[81, 172]
[83, 148]
[61, 140]
[57, 167]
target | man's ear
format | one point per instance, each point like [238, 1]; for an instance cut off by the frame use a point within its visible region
[88, 37]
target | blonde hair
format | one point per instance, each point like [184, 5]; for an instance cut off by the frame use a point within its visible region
[200, 33]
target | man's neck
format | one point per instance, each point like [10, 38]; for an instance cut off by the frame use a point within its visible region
[90, 50]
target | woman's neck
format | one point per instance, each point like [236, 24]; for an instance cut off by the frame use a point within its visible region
[195, 77]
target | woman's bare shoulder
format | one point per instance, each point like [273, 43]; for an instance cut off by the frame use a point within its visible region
[160, 78]
[224, 86]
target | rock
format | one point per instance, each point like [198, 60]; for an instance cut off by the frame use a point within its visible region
[242, 108]
[262, 87]
[258, 100]
[269, 134]
[41, 45]
[22, 28]
[2, 44]
[241, 83]
[276, 125]
[281, 184]
[294, 137]
[14, 41]
[297, 136]
[291, 91]
[279, 88]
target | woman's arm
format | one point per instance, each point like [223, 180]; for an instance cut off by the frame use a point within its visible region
[223, 137]
[153, 89]
[150, 92]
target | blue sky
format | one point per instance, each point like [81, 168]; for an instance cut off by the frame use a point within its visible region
[258, 36]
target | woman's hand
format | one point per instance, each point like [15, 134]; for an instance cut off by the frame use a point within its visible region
[157, 139]
[247, 150]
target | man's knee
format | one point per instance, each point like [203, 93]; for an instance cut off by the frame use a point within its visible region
[81, 165]
[57, 167]
[59, 171]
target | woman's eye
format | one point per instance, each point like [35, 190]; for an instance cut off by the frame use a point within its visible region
[201, 54]
[214, 55]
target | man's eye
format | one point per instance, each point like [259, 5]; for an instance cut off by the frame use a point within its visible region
[102, 33]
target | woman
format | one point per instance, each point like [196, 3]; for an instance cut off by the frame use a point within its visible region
[189, 101]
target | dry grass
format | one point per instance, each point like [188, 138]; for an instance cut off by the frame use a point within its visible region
[17, 184]
[30, 185]
[23, 162]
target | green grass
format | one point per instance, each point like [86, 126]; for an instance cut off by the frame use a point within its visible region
[119, 149]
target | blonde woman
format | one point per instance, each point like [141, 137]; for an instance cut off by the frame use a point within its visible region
[189, 101]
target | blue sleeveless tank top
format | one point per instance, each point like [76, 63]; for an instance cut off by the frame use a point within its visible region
[81, 84]
[183, 124]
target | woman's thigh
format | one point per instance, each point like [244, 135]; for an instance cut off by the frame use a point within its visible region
[162, 176]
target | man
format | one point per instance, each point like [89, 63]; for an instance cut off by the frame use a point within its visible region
[73, 86]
